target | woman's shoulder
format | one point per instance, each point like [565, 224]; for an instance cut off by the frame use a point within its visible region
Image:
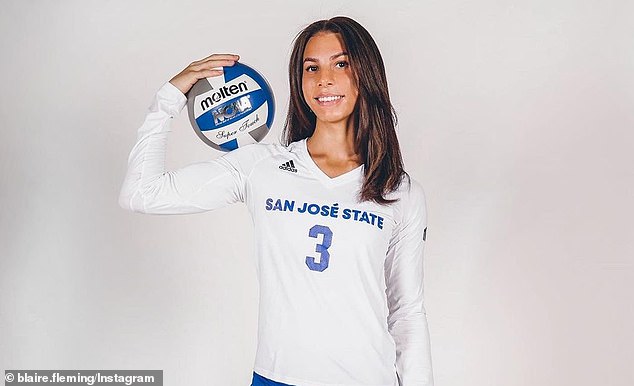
[254, 153]
[411, 201]
[408, 189]
[276, 149]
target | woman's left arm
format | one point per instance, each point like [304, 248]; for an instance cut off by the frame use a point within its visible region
[407, 320]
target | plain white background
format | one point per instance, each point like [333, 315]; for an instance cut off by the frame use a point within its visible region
[516, 116]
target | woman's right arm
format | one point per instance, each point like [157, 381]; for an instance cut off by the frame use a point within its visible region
[148, 187]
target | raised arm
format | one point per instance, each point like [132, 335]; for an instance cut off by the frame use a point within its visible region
[148, 187]
[407, 320]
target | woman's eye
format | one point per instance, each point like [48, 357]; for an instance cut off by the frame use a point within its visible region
[311, 68]
[342, 64]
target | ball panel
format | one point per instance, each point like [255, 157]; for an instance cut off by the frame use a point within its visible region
[232, 72]
[246, 139]
[230, 145]
[259, 133]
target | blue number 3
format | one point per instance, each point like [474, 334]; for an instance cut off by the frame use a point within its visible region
[322, 248]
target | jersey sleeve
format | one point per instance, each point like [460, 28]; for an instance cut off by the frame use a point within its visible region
[407, 320]
[198, 187]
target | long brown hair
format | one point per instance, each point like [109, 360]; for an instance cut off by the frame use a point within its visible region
[374, 117]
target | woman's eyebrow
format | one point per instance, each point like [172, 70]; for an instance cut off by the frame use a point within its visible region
[309, 59]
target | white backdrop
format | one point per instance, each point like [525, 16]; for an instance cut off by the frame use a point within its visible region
[516, 116]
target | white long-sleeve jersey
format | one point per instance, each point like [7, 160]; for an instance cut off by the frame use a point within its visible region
[341, 281]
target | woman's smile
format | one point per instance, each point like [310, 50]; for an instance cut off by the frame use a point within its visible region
[329, 100]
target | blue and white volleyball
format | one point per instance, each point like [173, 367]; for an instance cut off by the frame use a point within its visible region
[231, 110]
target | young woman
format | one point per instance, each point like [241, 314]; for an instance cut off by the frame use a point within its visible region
[339, 235]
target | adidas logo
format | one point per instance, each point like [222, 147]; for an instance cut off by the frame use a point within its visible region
[290, 166]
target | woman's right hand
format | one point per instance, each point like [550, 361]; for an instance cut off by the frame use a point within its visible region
[204, 68]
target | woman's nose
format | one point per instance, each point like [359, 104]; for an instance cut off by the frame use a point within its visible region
[326, 78]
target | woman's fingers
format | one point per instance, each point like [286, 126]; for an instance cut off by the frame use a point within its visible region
[212, 64]
[207, 67]
[218, 57]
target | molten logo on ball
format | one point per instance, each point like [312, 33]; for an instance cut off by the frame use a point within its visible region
[224, 92]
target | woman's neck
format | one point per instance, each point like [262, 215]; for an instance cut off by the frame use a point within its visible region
[334, 142]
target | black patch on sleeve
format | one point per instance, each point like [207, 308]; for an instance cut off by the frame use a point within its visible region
[425, 234]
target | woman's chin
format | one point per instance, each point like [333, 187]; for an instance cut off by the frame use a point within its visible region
[332, 119]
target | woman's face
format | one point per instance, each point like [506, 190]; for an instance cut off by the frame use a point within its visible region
[328, 83]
